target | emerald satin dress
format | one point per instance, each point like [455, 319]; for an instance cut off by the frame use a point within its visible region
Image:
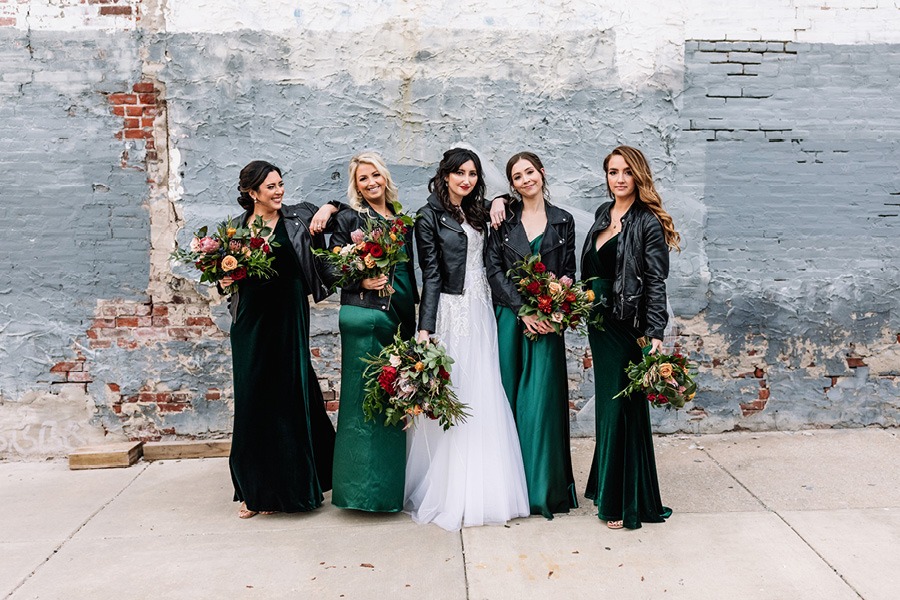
[534, 377]
[622, 481]
[370, 459]
[283, 441]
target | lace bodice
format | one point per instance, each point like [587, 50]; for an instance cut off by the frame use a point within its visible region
[454, 310]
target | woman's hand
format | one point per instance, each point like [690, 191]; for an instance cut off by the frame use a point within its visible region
[423, 336]
[374, 283]
[320, 219]
[536, 326]
[226, 282]
[498, 211]
[655, 346]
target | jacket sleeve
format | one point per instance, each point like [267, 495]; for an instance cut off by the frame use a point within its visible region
[428, 250]
[656, 270]
[570, 264]
[502, 287]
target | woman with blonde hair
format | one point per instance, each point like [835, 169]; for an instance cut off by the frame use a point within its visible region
[627, 252]
[369, 458]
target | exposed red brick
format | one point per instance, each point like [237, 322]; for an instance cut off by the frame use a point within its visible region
[854, 362]
[587, 362]
[99, 344]
[199, 321]
[136, 134]
[317, 352]
[717, 362]
[127, 344]
[115, 10]
[117, 408]
[764, 394]
[134, 111]
[171, 407]
[62, 367]
[758, 373]
[103, 323]
[160, 310]
[332, 405]
[127, 322]
[147, 122]
[160, 321]
[750, 408]
[834, 381]
[132, 123]
[213, 394]
[150, 111]
[147, 98]
[763, 384]
[150, 145]
[114, 387]
[78, 376]
[144, 87]
[7, 21]
[119, 111]
[751, 353]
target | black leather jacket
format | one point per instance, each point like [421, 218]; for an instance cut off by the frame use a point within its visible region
[296, 221]
[346, 221]
[642, 266]
[509, 244]
[442, 245]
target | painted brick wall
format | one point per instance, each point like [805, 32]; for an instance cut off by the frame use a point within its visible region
[123, 123]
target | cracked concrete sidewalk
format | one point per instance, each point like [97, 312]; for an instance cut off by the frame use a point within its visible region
[805, 515]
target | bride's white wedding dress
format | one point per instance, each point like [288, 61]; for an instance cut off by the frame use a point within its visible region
[471, 474]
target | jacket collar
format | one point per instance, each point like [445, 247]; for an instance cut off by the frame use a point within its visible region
[517, 239]
[443, 216]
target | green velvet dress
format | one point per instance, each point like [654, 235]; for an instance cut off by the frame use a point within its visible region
[534, 377]
[283, 441]
[369, 458]
[622, 481]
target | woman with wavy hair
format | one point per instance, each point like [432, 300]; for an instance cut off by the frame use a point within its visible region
[369, 458]
[471, 474]
[627, 252]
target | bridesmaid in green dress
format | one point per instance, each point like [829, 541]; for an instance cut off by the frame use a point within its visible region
[369, 458]
[534, 372]
[282, 442]
[627, 250]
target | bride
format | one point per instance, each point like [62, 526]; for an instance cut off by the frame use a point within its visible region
[471, 474]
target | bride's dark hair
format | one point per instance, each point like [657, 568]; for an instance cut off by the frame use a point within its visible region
[473, 209]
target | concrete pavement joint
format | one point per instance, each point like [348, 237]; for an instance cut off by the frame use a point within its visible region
[462, 545]
[74, 533]
[783, 520]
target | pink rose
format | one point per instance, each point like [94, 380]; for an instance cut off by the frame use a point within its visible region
[566, 281]
[195, 244]
[357, 236]
[208, 245]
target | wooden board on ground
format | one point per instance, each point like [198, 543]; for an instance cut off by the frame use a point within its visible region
[105, 456]
[186, 449]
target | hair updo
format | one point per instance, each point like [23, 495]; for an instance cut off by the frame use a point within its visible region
[252, 176]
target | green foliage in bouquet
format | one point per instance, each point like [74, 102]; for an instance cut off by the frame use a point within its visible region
[666, 379]
[232, 250]
[410, 378]
[561, 302]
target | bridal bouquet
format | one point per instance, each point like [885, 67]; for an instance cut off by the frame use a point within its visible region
[408, 379]
[232, 250]
[666, 379]
[557, 301]
[371, 253]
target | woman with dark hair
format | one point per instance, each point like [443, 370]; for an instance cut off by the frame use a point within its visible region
[627, 251]
[282, 444]
[534, 372]
[471, 474]
[369, 458]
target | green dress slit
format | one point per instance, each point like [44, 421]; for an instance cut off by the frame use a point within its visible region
[370, 459]
[283, 441]
[622, 481]
[534, 377]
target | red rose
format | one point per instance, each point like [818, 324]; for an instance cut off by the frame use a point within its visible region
[257, 242]
[443, 373]
[545, 304]
[539, 267]
[652, 397]
[571, 297]
[266, 248]
[534, 288]
[566, 307]
[662, 399]
[239, 273]
[573, 320]
[387, 378]
[376, 250]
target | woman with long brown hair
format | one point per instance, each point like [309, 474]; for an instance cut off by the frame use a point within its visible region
[627, 252]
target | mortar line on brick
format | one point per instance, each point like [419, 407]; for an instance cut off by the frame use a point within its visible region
[783, 520]
[74, 533]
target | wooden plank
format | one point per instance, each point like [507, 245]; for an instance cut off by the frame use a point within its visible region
[105, 456]
[186, 449]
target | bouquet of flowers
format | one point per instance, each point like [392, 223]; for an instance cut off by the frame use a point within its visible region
[371, 253]
[230, 251]
[408, 379]
[557, 301]
[666, 379]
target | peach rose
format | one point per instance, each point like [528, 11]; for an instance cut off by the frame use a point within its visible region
[229, 263]
[665, 370]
